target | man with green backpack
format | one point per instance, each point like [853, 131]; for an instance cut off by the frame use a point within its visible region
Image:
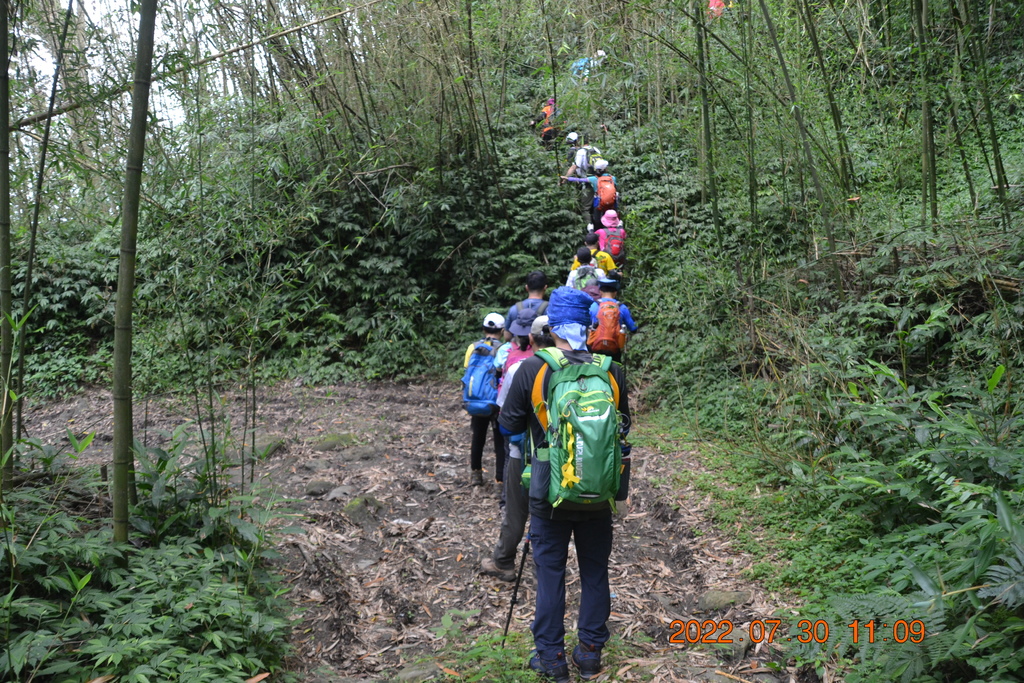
[575, 410]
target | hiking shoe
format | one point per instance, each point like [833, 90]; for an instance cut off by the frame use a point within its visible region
[476, 478]
[556, 669]
[491, 568]
[587, 659]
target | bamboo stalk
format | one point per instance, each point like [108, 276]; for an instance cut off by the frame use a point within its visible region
[34, 226]
[122, 385]
[6, 336]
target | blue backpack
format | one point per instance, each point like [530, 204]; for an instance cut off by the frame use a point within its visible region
[480, 381]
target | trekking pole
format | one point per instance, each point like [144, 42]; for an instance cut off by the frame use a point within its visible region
[515, 589]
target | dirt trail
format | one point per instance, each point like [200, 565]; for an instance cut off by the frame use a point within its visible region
[375, 579]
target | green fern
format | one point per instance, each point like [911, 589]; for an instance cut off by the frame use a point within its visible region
[1007, 579]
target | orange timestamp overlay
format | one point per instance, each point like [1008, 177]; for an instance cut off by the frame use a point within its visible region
[723, 631]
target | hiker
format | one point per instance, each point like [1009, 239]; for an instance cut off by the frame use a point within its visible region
[605, 188]
[584, 276]
[552, 523]
[611, 237]
[582, 166]
[501, 562]
[480, 395]
[580, 69]
[546, 120]
[609, 320]
[582, 163]
[573, 142]
[536, 286]
[603, 259]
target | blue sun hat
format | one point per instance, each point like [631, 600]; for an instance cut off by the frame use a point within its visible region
[569, 315]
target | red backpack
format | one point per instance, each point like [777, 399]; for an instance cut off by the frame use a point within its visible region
[606, 194]
[615, 245]
[607, 337]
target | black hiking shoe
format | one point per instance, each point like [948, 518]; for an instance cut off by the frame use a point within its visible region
[556, 669]
[476, 477]
[587, 659]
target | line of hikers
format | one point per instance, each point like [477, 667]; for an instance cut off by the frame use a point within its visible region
[546, 379]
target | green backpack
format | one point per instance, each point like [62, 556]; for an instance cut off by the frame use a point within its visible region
[581, 420]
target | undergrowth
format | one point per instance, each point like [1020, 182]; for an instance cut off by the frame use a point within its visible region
[494, 658]
[189, 599]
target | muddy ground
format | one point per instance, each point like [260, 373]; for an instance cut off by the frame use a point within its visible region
[392, 535]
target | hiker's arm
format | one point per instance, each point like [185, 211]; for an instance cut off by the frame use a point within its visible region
[627, 318]
[570, 179]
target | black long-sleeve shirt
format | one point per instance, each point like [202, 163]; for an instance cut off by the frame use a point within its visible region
[517, 415]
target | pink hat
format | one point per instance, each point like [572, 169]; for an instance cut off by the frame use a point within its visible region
[551, 100]
[610, 219]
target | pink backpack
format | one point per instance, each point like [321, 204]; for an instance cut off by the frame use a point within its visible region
[514, 356]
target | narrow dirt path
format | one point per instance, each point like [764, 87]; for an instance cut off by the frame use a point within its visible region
[392, 536]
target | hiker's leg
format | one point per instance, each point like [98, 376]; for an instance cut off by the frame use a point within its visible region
[479, 426]
[513, 522]
[550, 541]
[499, 448]
[508, 448]
[593, 540]
[587, 200]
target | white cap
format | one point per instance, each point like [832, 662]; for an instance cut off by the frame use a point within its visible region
[600, 164]
[494, 321]
[572, 137]
[601, 53]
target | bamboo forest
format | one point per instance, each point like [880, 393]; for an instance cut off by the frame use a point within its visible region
[301, 380]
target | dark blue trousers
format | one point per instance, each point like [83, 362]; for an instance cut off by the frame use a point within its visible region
[550, 541]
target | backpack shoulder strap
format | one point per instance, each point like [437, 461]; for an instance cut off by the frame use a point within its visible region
[519, 307]
[540, 406]
[605, 363]
[554, 360]
[540, 309]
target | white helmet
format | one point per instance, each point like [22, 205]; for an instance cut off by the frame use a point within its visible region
[600, 164]
[572, 137]
[494, 322]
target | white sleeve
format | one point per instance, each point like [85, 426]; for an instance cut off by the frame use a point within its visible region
[581, 157]
[506, 383]
[571, 280]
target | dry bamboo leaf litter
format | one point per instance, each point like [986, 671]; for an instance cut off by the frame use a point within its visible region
[376, 579]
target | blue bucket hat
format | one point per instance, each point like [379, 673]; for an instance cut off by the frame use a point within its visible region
[569, 314]
[569, 305]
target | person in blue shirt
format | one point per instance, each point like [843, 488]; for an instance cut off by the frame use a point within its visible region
[609, 289]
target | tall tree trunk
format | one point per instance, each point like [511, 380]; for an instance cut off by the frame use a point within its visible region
[826, 220]
[34, 227]
[929, 201]
[6, 337]
[705, 115]
[976, 48]
[845, 158]
[123, 433]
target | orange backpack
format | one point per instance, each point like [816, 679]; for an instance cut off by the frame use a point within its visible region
[606, 194]
[607, 337]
